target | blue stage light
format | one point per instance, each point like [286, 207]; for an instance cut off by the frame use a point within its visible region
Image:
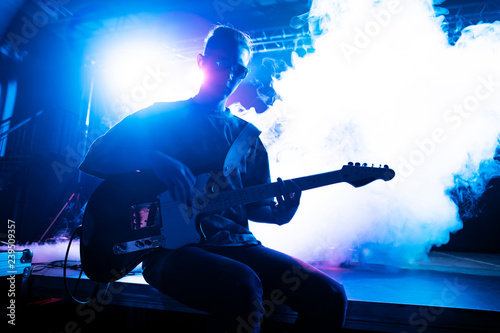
[134, 73]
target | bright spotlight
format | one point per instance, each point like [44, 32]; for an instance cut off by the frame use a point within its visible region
[133, 64]
[135, 73]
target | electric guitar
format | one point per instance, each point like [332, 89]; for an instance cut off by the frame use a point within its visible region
[127, 218]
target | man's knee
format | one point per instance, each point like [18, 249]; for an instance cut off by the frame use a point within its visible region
[241, 302]
[240, 294]
[332, 298]
[337, 294]
[325, 304]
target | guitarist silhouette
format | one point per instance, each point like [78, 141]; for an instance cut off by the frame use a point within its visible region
[224, 270]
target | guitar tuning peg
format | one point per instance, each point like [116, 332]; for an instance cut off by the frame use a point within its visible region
[350, 164]
[386, 166]
[365, 164]
[357, 164]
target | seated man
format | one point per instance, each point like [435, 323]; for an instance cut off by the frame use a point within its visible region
[229, 274]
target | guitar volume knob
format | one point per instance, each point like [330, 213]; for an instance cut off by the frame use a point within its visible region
[119, 248]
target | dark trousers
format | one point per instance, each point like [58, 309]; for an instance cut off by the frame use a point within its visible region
[240, 286]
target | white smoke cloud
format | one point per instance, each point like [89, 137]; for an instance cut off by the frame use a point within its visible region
[383, 87]
[49, 252]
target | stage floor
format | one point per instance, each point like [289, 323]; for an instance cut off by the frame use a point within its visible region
[453, 292]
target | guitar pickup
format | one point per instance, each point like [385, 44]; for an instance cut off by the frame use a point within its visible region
[145, 215]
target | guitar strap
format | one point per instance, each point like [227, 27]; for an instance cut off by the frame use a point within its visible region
[240, 146]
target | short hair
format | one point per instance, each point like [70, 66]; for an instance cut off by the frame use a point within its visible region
[222, 37]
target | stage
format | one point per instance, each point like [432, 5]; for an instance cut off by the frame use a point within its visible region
[452, 292]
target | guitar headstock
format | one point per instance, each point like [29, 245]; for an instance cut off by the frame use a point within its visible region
[358, 174]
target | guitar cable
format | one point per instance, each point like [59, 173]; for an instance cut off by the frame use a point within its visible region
[78, 233]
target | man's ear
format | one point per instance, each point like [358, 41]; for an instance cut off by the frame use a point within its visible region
[199, 60]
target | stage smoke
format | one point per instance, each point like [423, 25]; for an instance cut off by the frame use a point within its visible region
[45, 253]
[385, 87]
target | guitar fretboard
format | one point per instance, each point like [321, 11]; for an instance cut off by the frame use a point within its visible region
[219, 201]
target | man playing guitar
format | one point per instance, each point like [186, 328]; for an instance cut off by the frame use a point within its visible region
[229, 274]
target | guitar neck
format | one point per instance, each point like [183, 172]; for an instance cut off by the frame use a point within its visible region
[224, 200]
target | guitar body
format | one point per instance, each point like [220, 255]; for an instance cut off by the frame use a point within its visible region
[129, 216]
[107, 222]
